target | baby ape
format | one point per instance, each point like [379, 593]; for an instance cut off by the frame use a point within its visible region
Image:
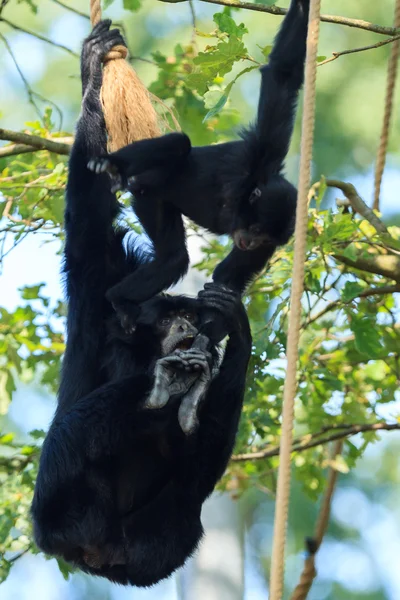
[234, 188]
[120, 484]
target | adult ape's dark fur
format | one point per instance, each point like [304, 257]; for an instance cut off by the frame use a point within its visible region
[120, 487]
[234, 188]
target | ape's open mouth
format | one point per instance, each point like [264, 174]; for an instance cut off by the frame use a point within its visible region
[185, 343]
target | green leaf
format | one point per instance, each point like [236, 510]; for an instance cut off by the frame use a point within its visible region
[350, 252]
[321, 191]
[377, 370]
[107, 3]
[132, 5]
[227, 25]
[31, 292]
[351, 290]
[37, 434]
[7, 438]
[224, 98]
[367, 339]
[312, 283]
[217, 108]
[65, 569]
[266, 50]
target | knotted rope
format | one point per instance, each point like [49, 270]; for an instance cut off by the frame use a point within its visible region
[127, 108]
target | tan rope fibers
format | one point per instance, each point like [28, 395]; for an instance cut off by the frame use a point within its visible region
[283, 485]
[127, 108]
[390, 87]
[309, 572]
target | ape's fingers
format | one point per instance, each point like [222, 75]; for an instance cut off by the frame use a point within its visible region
[101, 26]
[214, 285]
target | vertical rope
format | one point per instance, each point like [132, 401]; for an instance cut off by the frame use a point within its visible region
[283, 485]
[309, 572]
[95, 12]
[390, 87]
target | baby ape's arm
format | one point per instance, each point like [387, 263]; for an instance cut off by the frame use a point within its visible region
[142, 156]
[91, 243]
[282, 79]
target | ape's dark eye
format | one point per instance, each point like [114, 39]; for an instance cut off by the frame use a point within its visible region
[255, 229]
[189, 317]
[165, 322]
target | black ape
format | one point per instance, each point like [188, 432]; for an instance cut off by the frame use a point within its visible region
[235, 188]
[120, 484]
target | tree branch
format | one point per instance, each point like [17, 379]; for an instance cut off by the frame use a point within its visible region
[36, 142]
[317, 439]
[388, 266]
[336, 55]
[378, 291]
[275, 10]
[358, 204]
[38, 36]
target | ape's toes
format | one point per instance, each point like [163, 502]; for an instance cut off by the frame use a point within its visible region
[99, 165]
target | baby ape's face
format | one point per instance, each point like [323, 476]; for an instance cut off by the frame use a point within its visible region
[268, 216]
[177, 331]
[250, 238]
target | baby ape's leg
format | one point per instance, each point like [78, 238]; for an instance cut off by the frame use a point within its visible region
[136, 158]
[239, 267]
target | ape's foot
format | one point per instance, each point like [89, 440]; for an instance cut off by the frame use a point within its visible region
[102, 164]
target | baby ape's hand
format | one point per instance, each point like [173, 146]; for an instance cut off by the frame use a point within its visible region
[225, 307]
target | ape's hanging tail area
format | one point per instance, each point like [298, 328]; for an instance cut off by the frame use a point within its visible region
[127, 108]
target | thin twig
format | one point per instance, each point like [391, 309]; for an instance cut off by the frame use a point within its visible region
[39, 37]
[71, 9]
[336, 55]
[378, 291]
[30, 92]
[275, 10]
[313, 440]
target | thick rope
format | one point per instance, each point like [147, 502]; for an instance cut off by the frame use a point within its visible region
[390, 88]
[283, 485]
[128, 111]
[309, 572]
